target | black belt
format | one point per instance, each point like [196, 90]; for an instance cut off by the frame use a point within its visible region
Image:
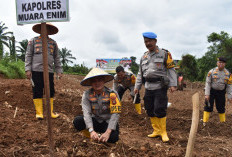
[152, 79]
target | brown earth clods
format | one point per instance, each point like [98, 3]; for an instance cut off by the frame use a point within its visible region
[22, 135]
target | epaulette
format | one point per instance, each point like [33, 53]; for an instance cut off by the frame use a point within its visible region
[145, 55]
[165, 50]
[145, 52]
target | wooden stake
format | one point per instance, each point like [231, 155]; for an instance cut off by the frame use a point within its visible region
[194, 126]
[46, 84]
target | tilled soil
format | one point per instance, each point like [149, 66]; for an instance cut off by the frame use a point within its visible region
[22, 135]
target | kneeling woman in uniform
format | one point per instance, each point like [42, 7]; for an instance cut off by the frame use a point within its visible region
[101, 108]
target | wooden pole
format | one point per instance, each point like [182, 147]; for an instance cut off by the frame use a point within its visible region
[194, 126]
[46, 84]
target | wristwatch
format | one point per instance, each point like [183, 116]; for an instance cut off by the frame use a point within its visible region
[90, 130]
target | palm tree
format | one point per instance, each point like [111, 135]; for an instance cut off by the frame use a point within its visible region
[65, 56]
[12, 46]
[4, 36]
[22, 49]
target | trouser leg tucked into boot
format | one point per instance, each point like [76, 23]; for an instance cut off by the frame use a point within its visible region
[162, 122]
[39, 108]
[155, 126]
[138, 108]
[53, 115]
[206, 116]
[222, 117]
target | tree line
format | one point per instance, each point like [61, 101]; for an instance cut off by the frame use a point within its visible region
[13, 53]
[194, 69]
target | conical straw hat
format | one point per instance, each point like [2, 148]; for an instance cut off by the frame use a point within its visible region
[52, 29]
[95, 72]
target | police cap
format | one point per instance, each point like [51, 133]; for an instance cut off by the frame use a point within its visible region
[222, 59]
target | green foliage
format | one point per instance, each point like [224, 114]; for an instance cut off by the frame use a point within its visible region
[12, 69]
[76, 69]
[188, 66]
[65, 56]
[4, 37]
[134, 65]
[22, 49]
[12, 46]
[221, 45]
[207, 62]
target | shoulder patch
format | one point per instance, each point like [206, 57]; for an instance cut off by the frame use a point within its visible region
[144, 56]
[169, 55]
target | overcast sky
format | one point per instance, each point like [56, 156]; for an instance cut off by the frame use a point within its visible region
[113, 28]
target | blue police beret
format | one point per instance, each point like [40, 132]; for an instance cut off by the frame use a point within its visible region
[149, 35]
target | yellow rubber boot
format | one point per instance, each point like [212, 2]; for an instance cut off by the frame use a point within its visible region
[85, 133]
[138, 108]
[39, 108]
[53, 115]
[222, 117]
[155, 126]
[206, 116]
[162, 122]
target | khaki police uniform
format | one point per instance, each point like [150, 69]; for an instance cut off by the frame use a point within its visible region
[218, 83]
[97, 114]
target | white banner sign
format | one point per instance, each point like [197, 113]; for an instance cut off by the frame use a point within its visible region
[37, 11]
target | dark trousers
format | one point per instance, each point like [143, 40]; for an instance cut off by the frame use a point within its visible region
[219, 97]
[79, 124]
[122, 90]
[38, 80]
[156, 102]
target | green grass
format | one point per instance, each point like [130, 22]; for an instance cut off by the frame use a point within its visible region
[12, 69]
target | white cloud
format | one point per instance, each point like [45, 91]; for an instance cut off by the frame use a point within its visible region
[113, 29]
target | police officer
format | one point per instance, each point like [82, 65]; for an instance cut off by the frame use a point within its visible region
[34, 67]
[218, 82]
[123, 81]
[157, 71]
[101, 108]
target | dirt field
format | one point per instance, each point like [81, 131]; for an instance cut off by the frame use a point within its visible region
[23, 135]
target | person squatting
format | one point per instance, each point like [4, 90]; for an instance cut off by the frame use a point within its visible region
[124, 80]
[101, 108]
